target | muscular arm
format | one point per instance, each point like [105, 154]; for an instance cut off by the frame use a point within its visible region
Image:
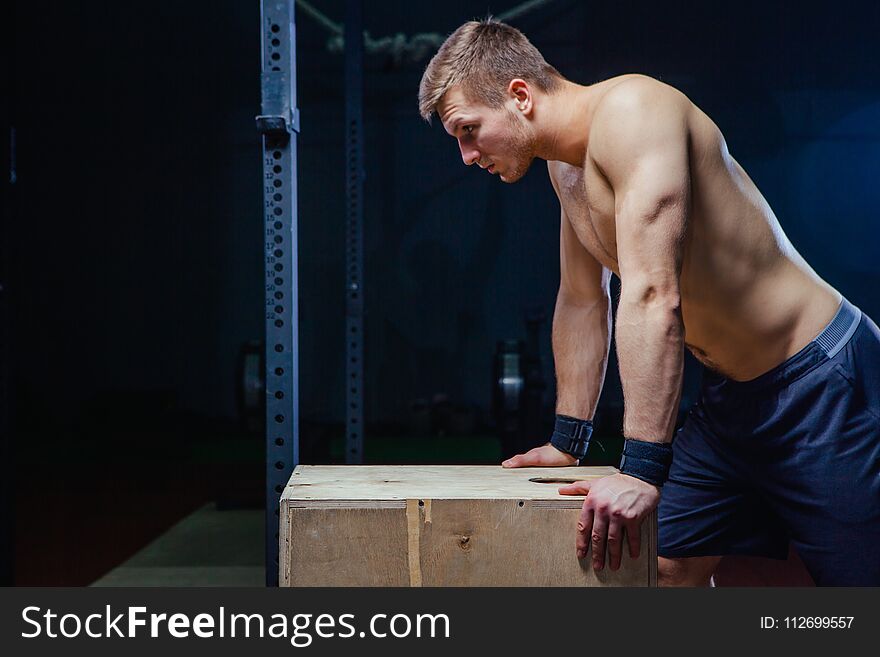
[639, 140]
[581, 339]
[643, 151]
[581, 327]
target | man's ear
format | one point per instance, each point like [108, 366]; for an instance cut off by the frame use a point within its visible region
[519, 90]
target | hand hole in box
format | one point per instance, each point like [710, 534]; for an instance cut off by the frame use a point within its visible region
[554, 480]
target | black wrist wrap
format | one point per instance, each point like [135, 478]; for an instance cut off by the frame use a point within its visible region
[572, 436]
[646, 461]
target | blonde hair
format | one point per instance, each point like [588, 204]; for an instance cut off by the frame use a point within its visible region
[484, 56]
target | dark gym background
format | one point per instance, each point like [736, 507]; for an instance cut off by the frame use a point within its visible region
[132, 246]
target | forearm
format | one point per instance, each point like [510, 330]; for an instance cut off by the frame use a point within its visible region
[581, 340]
[650, 341]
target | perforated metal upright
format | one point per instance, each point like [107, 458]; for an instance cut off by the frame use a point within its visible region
[354, 247]
[279, 125]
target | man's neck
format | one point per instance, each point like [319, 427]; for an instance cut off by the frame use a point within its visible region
[563, 131]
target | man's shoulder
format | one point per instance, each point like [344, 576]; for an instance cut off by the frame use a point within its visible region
[632, 113]
[636, 93]
[636, 97]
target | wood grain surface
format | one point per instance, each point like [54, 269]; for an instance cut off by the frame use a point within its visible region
[442, 526]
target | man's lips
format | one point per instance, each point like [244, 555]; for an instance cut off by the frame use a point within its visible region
[491, 168]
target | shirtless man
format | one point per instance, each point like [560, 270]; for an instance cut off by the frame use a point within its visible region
[784, 443]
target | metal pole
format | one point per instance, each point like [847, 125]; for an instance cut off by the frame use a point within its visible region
[354, 249]
[279, 125]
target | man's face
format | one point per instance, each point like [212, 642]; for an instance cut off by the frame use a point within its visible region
[496, 139]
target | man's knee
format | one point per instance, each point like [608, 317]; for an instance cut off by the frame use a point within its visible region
[694, 571]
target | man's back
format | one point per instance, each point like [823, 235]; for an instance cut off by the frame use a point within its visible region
[748, 299]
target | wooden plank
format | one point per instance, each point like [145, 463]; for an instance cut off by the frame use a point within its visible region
[442, 526]
[284, 546]
[383, 482]
[500, 543]
[348, 547]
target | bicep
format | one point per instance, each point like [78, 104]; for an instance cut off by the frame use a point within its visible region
[651, 216]
[645, 156]
[582, 277]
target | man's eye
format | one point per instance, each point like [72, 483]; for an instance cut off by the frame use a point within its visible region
[468, 129]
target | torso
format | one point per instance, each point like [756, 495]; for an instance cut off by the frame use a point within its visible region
[749, 300]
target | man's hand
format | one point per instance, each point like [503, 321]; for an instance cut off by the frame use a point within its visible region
[614, 504]
[543, 456]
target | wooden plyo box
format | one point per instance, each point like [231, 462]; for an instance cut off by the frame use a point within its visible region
[356, 525]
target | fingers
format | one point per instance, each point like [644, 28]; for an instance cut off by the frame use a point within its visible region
[546, 455]
[584, 527]
[613, 508]
[598, 539]
[532, 457]
[513, 462]
[615, 544]
[576, 488]
[634, 538]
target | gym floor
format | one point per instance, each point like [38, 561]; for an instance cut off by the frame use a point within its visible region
[210, 547]
[104, 499]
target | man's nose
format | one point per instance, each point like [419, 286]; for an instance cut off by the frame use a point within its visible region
[469, 155]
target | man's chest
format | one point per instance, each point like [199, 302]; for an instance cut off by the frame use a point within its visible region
[588, 201]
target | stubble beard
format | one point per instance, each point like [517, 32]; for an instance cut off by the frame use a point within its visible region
[523, 149]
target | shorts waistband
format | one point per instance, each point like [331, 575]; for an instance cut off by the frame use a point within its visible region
[834, 337]
[824, 346]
